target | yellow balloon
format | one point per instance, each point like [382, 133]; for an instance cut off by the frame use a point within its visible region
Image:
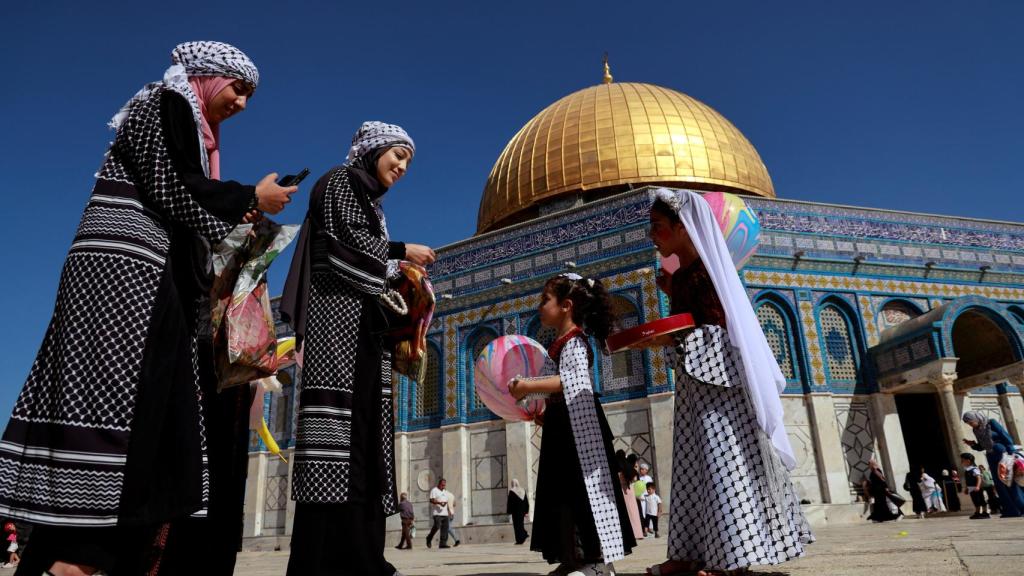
[264, 433]
[285, 345]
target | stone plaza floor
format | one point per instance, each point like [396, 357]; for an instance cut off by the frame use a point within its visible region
[950, 546]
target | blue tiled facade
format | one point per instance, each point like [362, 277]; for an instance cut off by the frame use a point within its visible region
[835, 278]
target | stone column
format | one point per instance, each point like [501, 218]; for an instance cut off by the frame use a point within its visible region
[1013, 408]
[519, 456]
[885, 422]
[831, 464]
[662, 419]
[289, 516]
[1008, 417]
[402, 462]
[951, 418]
[255, 494]
[456, 466]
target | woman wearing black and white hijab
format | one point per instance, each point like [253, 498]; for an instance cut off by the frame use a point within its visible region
[118, 438]
[343, 480]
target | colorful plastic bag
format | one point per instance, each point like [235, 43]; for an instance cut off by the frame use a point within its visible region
[244, 337]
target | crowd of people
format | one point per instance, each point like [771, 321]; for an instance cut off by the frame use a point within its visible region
[128, 458]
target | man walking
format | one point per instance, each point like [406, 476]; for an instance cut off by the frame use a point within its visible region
[408, 515]
[439, 512]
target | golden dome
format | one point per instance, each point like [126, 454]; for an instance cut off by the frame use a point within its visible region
[614, 134]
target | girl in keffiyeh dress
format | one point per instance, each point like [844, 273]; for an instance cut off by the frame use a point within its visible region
[732, 504]
[580, 517]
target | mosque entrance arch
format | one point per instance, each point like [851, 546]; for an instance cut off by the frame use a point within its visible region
[986, 345]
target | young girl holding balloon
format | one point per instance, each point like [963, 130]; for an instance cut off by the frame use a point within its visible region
[581, 519]
[730, 445]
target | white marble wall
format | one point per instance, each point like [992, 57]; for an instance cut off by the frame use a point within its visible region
[630, 423]
[488, 466]
[832, 436]
[857, 436]
[424, 466]
[798, 427]
[277, 496]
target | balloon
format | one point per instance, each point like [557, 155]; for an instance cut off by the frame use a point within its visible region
[268, 440]
[285, 352]
[505, 358]
[738, 223]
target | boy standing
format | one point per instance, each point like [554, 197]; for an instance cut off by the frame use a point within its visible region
[652, 506]
[972, 486]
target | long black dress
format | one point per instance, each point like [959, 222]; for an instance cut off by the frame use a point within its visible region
[911, 486]
[518, 508]
[344, 474]
[578, 520]
[174, 491]
[879, 491]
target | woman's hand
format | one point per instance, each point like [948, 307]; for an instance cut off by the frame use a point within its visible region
[252, 217]
[270, 197]
[419, 254]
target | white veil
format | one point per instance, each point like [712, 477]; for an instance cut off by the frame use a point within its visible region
[763, 377]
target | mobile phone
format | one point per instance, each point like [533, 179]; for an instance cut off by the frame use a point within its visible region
[293, 179]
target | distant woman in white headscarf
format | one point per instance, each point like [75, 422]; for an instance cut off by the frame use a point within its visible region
[518, 508]
[732, 505]
[119, 439]
[344, 476]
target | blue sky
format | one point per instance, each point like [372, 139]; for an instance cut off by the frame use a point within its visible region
[910, 105]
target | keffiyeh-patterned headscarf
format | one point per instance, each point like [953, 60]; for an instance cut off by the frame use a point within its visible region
[203, 58]
[372, 135]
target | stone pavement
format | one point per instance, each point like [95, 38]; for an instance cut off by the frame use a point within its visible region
[946, 546]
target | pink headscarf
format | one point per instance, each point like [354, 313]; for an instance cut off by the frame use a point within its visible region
[206, 88]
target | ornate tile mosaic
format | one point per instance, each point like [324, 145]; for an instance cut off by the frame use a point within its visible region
[920, 288]
[857, 440]
[810, 330]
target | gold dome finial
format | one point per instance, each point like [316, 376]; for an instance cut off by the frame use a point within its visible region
[607, 70]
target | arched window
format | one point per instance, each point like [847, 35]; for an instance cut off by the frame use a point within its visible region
[838, 344]
[428, 392]
[540, 333]
[777, 330]
[623, 371]
[474, 346]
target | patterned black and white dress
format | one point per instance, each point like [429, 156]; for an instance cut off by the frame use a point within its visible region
[344, 474]
[579, 514]
[732, 503]
[119, 422]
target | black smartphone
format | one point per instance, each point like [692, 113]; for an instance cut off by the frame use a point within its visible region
[293, 179]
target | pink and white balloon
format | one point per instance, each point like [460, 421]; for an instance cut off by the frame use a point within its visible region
[505, 358]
